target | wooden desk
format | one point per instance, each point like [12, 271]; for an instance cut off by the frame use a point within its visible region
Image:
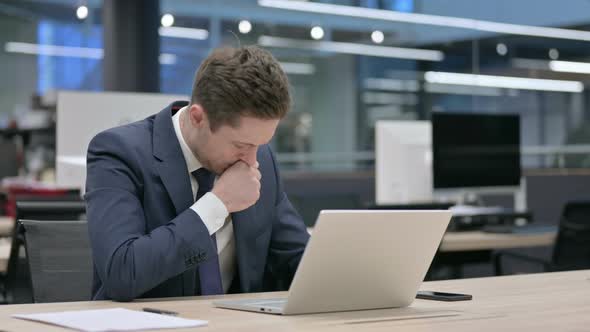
[477, 240]
[538, 302]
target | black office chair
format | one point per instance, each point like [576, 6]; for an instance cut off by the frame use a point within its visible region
[572, 246]
[60, 260]
[16, 280]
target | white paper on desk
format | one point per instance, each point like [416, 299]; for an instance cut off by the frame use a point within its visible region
[116, 319]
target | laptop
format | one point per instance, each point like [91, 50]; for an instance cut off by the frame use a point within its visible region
[358, 260]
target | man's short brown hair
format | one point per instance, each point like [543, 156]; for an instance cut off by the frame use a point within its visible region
[245, 81]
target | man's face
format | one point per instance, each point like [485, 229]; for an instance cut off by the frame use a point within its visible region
[217, 150]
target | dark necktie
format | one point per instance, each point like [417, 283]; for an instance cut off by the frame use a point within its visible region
[209, 274]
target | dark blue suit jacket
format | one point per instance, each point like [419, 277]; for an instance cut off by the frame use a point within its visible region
[147, 242]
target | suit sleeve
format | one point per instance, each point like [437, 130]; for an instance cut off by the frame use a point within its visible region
[289, 237]
[130, 260]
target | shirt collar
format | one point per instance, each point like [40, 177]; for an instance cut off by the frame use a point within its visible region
[192, 163]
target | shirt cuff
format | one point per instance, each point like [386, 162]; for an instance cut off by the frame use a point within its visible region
[212, 211]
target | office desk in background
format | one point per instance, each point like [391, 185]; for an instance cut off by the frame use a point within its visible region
[4, 253]
[537, 302]
[478, 240]
[459, 249]
[6, 226]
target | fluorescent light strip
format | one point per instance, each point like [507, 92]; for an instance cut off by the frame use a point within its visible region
[462, 90]
[387, 98]
[506, 82]
[352, 48]
[69, 51]
[53, 50]
[187, 33]
[436, 20]
[389, 84]
[570, 66]
[298, 68]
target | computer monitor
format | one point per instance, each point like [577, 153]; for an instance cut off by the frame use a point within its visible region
[476, 151]
[403, 162]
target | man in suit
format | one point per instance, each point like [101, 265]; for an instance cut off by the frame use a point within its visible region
[189, 201]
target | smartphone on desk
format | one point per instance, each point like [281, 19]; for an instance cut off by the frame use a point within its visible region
[441, 296]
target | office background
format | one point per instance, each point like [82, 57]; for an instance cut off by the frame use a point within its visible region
[348, 67]
[338, 97]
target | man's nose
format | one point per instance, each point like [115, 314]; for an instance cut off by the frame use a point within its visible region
[249, 157]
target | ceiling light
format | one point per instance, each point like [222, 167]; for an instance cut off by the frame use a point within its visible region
[352, 48]
[436, 20]
[553, 54]
[389, 84]
[298, 68]
[187, 33]
[377, 37]
[570, 66]
[167, 20]
[244, 26]
[317, 33]
[501, 49]
[506, 82]
[82, 12]
[69, 51]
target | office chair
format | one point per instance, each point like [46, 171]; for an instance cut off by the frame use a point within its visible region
[572, 246]
[60, 260]
[17, 288]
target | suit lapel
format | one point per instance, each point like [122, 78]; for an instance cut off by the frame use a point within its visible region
[170, 161]
[172, 169]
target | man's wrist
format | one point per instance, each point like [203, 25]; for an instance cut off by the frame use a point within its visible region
[220, 197]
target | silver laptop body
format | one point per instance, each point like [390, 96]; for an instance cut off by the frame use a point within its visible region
[358, 260]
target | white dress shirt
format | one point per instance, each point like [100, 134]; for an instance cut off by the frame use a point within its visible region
[212, 211]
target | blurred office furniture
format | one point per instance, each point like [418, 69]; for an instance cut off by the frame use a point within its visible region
[572, 246]
[17, 285]
[9, 158]
[309, 206]
[23, 189]
[460, 249]
[453, 157]
[59, 259]
[6, 226]
[311, 192]
[469, 218]
[82, 115]
[547, 192]
[403, 162]
[489, 219]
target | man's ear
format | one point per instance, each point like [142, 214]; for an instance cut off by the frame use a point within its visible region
[197, 115]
